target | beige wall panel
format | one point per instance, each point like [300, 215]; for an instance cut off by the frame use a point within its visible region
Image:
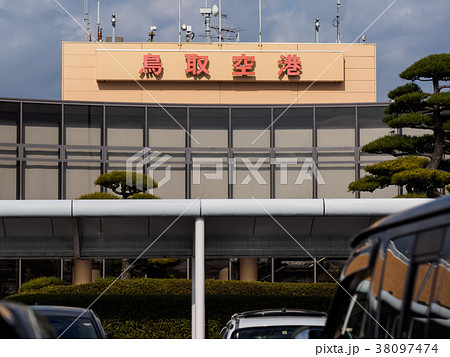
[79, 73]
[79, 60]
[359, 50]
[239, 91]
[358, 86]
[79, 48]
[83, 96]
[360, 62]
[360, 74]
[7, 180]
[335, 97]
[8, 133]
[80, 84]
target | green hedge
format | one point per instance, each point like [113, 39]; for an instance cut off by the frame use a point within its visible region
[161, 308]
[41, 282]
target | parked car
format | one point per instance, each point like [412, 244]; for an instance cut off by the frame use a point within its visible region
[20, 321]
[272, 324]
[396, 283]
[72, 322]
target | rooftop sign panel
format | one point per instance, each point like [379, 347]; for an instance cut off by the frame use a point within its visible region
[197, 64]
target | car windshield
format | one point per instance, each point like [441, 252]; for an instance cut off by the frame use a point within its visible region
[82, 328]
[269, 332]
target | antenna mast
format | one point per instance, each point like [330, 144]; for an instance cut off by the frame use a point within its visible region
[337, 21]
[86, 20]
[99, 29]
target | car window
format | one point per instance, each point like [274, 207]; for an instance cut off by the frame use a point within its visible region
[82, 328]
[270, 332]
[396, 267]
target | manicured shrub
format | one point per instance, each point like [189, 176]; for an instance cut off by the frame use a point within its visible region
[41, 282]
[161, 308]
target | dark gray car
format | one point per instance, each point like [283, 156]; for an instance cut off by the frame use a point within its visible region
[72, 322]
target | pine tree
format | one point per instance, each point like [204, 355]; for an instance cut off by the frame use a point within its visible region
[419, 165]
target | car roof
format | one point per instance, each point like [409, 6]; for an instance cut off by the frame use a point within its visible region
[62, 311]
[282, 321]
[279, 313]
[436, 207]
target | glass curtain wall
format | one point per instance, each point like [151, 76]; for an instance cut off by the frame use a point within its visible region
[55, 150]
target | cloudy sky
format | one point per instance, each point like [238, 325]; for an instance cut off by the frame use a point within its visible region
[32, 32]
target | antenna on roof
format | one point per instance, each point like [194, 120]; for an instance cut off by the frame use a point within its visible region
[336, 22]
[99, 29]
[86, 20]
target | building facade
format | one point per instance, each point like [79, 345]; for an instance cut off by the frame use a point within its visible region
[204, 120]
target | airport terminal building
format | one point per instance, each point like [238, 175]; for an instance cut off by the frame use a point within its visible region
[205, 120]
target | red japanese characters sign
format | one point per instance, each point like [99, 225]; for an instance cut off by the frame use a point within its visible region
[243, 65]
[290, 64]
[196, 64]
[152, 64]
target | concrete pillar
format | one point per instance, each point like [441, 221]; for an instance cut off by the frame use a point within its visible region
[248, 269]
[223, 274]
[81, 271]
[95, 274]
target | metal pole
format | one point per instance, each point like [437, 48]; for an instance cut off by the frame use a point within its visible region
[188, 268]
[179, 22]
[260, 22]
[315, 270]
[104, 268]
[337, 21]
[272, 273]
[230, 266]
[61, 273]
[199, 278]
[220, 21]
[208, 28]
[20, 273]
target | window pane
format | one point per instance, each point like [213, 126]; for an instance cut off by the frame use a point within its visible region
[9, 118]
[336, 178]
[335, 126]
[80, 179]
[83, 124]
[293, 127]
[398, 258]
[294, 175]
[251, 176]
[248, 124]
[209, 127]
[42, 123]
[41, 181]
[167, 130]
[125, 126]
[8, 172]
[209, 176]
